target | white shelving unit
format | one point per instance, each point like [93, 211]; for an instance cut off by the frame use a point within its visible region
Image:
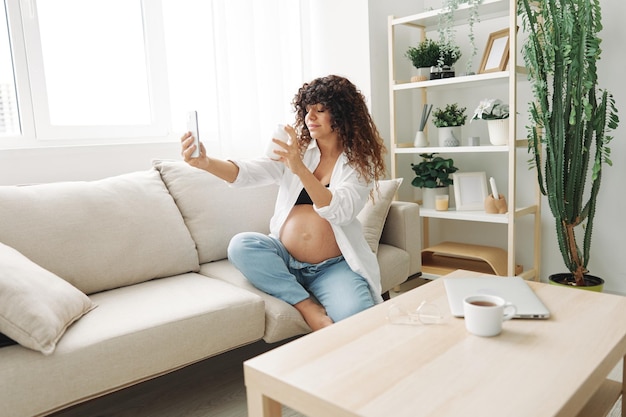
[507, 80]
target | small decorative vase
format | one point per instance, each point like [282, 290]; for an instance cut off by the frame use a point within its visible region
[498, 131]
[493, 206]
[448, 136]
[421, 141]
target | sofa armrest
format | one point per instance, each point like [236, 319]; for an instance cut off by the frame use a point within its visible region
[403, 230]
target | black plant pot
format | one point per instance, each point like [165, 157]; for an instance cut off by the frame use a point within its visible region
[437, 73]
[592, 282]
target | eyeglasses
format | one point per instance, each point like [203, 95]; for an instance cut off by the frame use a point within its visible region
[425, 313]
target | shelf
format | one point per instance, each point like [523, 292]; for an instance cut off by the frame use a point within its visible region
[430, 19]
[453, 81]
[473, 216]
[403, 93]
[410, 149]
[476, 215]
[446, 257]
[603, 400]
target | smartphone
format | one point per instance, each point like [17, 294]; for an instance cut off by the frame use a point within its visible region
[192, 126]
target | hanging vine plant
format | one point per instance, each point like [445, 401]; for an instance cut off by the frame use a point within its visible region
[474, 18]
[446, 22]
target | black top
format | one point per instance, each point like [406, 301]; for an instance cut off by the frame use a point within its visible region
[304, 198]
[6, 341]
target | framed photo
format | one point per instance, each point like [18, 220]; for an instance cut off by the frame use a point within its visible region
[496, 56]
[470, 190]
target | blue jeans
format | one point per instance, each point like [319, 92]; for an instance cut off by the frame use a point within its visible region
[265, 262]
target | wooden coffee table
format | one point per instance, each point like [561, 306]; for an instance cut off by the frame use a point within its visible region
[365, 366]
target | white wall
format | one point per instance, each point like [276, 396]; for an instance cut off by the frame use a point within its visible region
[350, 39]
[78, 163]
[336, 36]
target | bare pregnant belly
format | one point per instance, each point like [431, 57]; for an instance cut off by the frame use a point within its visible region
[307, 236]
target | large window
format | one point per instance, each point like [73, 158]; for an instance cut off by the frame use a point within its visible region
[101, 71]
[89, 69]
[95, 66]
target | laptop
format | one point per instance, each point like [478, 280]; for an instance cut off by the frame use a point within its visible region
[512, 289]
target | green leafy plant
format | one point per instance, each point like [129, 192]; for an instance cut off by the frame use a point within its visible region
[449, 116]
[433, 171]
[430, 53]
[570, 117]
[425, 54]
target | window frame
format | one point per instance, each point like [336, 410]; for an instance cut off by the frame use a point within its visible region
[32, 94]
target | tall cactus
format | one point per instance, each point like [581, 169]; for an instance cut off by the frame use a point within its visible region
[570, 117]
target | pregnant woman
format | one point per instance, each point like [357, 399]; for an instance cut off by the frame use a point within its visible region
[316, 257]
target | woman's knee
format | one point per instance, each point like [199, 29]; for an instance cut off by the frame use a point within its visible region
[250, 251]
[240, 244]
[348, 307]
[349, 300]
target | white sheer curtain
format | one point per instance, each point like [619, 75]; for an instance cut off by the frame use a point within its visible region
[238, 63]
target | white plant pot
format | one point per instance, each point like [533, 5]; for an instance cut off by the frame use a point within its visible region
[449, 136]
[498, 131]
[428, 196]
[423, 74]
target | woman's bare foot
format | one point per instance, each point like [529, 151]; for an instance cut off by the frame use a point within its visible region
[314, 314]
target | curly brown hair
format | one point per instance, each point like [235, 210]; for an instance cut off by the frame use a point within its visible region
[351, 119]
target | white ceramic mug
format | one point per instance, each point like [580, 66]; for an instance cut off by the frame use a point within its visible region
[279, 133]
[484, 314]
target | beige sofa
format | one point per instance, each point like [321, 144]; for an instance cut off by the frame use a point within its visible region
[139, 262]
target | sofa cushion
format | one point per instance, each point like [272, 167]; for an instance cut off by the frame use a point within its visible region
[403, 231]
[101, 234]
[374, 214]
[213, 211]
[136, 333]
[281, 319]
[36, 306]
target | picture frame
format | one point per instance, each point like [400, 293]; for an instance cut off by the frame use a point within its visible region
[496, 56]
[470, 190]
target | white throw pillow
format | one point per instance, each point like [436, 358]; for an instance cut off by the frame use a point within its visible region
[101, 234]
[374, 214]
[213, 211]
[36, 306]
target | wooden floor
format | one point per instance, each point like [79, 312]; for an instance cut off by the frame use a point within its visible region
[212, 388]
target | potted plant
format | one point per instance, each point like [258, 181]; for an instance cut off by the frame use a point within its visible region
[496, 113]
[433, 58]
[423, 56]
[449, 120]
[433, 175]
[570, 121]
